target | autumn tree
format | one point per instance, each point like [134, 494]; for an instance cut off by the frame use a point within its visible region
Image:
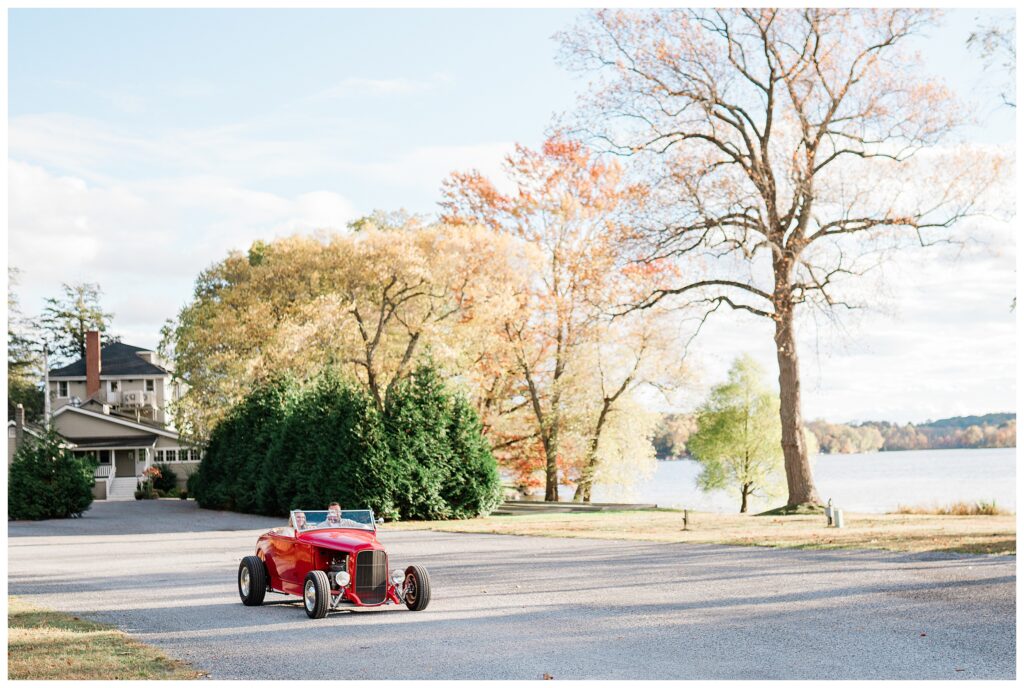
[846, 439]
[788, 150]
[627, 355]
[673, 431]
[737, 438]
[568, 205]
[371, 301]
[68, 317]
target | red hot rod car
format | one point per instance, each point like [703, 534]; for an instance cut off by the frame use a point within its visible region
[331, 559]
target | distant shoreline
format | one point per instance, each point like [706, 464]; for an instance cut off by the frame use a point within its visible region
[988, 431]
[687, 457]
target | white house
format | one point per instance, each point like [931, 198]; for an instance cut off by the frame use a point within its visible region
[113, 405]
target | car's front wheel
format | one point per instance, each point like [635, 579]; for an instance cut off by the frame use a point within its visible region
[252, 581]
[417, 588]
[316, 594]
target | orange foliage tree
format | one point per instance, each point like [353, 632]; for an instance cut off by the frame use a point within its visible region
[568, 205]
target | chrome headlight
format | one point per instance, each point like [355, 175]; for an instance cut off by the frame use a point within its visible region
[343, 578]
[397, 576]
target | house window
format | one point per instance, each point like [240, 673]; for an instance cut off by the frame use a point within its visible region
[159, 455]
[150, 385]
[171, 455]
[194, 454]
[113, 385]
[62, 390]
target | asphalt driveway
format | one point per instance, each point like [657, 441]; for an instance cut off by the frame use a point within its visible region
[508, 607]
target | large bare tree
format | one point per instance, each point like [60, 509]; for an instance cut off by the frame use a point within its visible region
[787, 148]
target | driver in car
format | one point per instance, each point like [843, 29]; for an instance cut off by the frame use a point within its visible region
[333, 515]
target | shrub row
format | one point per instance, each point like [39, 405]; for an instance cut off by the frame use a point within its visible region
[289, 446]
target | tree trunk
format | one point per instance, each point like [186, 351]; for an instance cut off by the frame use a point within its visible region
[744, 492]
[590, 465]
[577, 496]
[583, 487]
[547, 425]
[551, 467]
[798, 468]
[551, 448]
[371, 382]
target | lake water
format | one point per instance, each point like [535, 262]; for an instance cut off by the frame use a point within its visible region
[875, 482]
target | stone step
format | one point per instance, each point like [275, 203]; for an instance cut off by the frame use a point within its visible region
[122, 489]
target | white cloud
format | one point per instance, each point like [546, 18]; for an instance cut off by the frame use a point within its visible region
[361, 86]
[432, 164]
[144, 242]
[247, 153]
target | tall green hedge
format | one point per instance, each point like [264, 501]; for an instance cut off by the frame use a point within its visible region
[46, 480]
[288, 446]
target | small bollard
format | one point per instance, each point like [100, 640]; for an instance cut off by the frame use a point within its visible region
[828, 513]
[838, 517]
[686, 519]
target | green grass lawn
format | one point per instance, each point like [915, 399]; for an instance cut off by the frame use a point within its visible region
[43, 644]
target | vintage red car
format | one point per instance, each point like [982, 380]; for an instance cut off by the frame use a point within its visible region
[331, 559]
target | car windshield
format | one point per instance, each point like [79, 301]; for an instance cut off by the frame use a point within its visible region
[361, 519]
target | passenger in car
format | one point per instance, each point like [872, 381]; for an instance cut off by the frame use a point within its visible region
[333, 515]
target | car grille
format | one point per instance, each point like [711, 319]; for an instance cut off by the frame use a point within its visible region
[372, 576]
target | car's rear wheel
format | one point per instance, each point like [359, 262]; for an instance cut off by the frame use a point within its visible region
[417, 588]
[316, 594]
[252, 581]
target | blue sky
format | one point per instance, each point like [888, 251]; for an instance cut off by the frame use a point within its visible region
[144, 144]
[353, 86]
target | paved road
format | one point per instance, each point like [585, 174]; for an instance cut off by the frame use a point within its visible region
[510, 607]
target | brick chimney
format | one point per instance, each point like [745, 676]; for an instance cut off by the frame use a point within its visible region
[93, 364]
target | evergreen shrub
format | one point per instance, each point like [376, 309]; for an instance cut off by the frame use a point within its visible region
[288, 446]
[47, 480]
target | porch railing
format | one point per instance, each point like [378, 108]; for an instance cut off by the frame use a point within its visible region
[107, 473]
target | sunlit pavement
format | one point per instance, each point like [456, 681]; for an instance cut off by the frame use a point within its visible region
[507, 607]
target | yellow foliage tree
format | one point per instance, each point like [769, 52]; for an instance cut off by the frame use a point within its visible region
[371, 300]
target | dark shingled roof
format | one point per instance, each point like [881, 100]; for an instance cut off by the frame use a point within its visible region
[117, 359]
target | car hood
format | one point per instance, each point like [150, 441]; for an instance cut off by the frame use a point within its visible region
[344, 539]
